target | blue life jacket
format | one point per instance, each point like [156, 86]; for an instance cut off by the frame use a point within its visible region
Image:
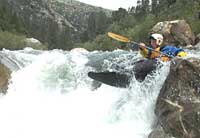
[171, 51]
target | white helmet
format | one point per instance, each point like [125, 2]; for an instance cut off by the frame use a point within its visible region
[158, 38]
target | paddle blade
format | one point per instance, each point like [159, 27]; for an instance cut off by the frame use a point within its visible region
[118, 37]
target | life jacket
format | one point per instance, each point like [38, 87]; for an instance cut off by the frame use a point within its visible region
[164, 52]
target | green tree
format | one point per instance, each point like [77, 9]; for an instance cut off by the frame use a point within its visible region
[10, 21]
[145, 7]
[132, 10]
[92, 26]
[102, 22]
[138, 9]
[97, 24]
[154, 5]
[119, 14]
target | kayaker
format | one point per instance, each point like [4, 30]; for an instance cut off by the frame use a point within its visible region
[144, 66]
[165, 52]
[155, 51]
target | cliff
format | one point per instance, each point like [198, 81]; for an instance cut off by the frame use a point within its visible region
[60, 24]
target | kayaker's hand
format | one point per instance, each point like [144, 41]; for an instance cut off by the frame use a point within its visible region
[181, 54]
[142, 45]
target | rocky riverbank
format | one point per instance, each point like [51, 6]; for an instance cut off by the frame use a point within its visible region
[178, 104]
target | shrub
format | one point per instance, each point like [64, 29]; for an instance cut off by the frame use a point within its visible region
[15, 41]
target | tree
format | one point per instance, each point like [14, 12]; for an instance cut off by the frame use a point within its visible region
[132, 10]
[120, 13]
[138, 8]
[154, 5]
[170, 2]
[101, 22]
[91, 26]
[97, 24]
[145, 6]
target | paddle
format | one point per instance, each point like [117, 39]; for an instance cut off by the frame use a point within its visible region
[126, 40]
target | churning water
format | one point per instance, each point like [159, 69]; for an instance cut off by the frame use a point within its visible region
[50, 96]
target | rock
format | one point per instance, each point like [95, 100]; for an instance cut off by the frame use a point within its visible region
[190, 47]
[158, 133]
[197, 45]
[33, 40]
[197, 38]
[79, 50]
[178, 104]
[176, 32]
[33, 43]
[4, 78]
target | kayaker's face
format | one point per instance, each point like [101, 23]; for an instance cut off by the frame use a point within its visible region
[153, 43]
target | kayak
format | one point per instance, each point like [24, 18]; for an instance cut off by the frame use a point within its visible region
[111, 78]
[141, 69]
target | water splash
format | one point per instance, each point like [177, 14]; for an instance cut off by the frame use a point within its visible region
[51, 97]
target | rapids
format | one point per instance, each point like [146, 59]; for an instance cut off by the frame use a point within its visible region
[50, 96]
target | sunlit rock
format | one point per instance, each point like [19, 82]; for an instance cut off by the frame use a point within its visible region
[79, 50]
[177, 32]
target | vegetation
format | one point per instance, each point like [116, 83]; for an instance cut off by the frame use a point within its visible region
[13, 32]
[98, 23]
[134, 23]
[137, 21]
[13, 41]
[10, 22]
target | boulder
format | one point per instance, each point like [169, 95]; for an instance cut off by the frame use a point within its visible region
[177, 32]
[79, 50]
[158, 133]
[197, 45]
[197, 38]
[4, 78]
[33, 43]
[178, 104]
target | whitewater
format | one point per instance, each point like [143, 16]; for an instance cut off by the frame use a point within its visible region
[51, 96]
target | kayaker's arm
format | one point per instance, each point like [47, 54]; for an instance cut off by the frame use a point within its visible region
[143, 50]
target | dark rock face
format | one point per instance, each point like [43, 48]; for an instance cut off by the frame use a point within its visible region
[48, 22]
[178, 104]
[41, 21]
[88, 21]
[158, 133]
[78, 13]
[198, 38]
